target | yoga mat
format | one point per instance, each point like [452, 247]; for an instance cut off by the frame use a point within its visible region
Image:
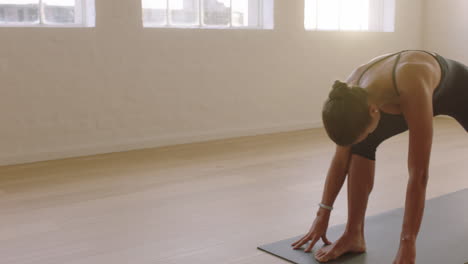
[442, 238]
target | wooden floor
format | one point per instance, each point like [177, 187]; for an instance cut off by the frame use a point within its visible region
[211, 202]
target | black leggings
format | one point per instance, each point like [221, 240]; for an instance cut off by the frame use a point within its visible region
[450, 98]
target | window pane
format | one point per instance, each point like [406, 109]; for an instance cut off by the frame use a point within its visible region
[216, 12]
[267, 14]
[388, 15]
[354, 15]
[59, 11]
[154, 12]
[19, 11]
[328, 14]
[184, 12]
[365, 15]
[245, 13]
[310, 14]
[208, 13]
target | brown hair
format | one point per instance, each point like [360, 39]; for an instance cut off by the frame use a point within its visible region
[345, 113]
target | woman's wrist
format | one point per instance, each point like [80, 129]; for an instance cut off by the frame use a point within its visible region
[322, 205]
[408, 238]
[323, 212]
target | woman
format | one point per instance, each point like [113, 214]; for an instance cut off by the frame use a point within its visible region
[387, 96]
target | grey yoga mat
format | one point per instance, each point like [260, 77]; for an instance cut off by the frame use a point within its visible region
[443, 236]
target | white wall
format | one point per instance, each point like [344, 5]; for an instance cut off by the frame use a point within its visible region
[446, 28]
[73, 92]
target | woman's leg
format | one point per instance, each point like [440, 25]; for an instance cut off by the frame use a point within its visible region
[360, 182]
[362, 168]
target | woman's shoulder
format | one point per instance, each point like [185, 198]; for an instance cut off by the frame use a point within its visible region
[417, 67]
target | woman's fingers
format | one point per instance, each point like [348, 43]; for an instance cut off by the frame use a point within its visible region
[302, 242]
[312, 243]
[293, 244]
[325, 239]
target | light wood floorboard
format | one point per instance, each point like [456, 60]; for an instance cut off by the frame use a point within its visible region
[211, 202]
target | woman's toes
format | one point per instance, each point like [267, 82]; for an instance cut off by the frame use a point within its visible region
[322, 258]
[319, 258]
[320, 255]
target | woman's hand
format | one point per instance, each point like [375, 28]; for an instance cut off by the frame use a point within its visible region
[317, 231]
[406, 253]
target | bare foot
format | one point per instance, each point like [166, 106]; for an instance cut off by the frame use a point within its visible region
[346, 243]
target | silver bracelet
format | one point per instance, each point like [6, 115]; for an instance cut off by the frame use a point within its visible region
[325, 206]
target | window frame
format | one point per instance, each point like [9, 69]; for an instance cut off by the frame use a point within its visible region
[81, 15]
[374, 25]
[260, 24]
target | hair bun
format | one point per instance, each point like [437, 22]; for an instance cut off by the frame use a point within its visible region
[339, 91]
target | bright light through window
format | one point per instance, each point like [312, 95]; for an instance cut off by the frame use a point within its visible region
[208, 13]
[354, 15]
[350, 15]
[19, 2]
[152, 4]
[60, 2]
[29, 13]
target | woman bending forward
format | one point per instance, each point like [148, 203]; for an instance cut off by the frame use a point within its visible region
[387, 96]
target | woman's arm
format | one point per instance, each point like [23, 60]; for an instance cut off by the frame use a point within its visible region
[335, 177]
[416, 105]
[334, 182]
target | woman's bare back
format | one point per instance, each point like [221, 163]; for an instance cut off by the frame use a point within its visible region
[378, 79]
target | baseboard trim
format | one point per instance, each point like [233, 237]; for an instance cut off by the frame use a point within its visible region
[151, 142]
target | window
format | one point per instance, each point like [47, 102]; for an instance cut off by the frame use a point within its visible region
[350, 15]
[208, 13]
[47, 13]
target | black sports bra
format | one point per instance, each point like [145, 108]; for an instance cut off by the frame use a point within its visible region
[394, 66]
